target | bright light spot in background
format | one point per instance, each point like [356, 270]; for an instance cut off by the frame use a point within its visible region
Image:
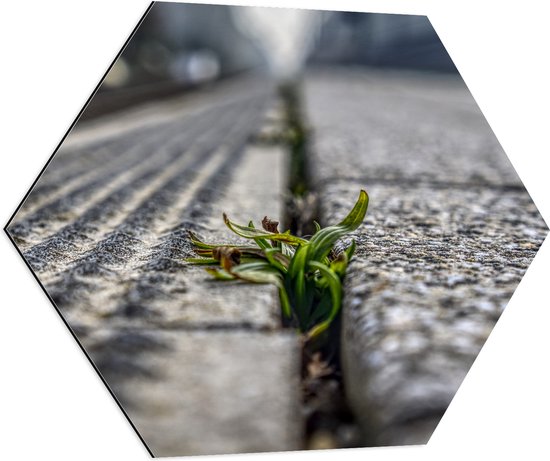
[119, 74]
[203, 66]
[285, 35]
[199, 66]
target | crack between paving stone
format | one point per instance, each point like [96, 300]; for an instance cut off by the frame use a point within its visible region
[329, 422]
[409, 182]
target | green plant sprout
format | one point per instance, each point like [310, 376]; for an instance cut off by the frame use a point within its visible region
[307, 273]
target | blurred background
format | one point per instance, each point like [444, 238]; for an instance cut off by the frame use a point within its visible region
[179, 46]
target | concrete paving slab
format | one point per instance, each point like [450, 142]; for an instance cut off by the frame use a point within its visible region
[400, 126]
[201, 367]
[205, 392]
[449, 233]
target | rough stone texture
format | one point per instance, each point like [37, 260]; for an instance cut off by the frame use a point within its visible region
[200, 366]
[449, 233]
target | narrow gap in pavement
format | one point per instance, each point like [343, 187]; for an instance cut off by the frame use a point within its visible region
[329, 423]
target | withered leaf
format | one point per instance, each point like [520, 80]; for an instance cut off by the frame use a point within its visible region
[227, 256]
[318, 368]
[270, 225]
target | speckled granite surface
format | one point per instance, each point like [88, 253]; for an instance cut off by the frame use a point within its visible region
[449, 233]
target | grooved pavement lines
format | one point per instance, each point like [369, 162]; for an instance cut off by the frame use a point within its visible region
[199, 367]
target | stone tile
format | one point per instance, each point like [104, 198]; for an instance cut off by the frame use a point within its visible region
[449, 233]
[200, 366]
[204, 392]
[400, 126]
[112, 247]
[433, 271]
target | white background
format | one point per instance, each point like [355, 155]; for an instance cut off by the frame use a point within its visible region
[53, 406]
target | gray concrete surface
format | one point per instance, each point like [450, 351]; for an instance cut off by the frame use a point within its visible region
[203, 367]
[200, 367]
[449, 233]
[204, 391]
[401, 126]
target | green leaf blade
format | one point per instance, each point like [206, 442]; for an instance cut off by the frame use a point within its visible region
[252, 233]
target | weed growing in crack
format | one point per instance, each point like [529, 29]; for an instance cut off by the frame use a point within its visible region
[308, 273]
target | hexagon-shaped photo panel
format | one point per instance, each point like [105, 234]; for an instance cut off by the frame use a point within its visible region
[275, 229]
